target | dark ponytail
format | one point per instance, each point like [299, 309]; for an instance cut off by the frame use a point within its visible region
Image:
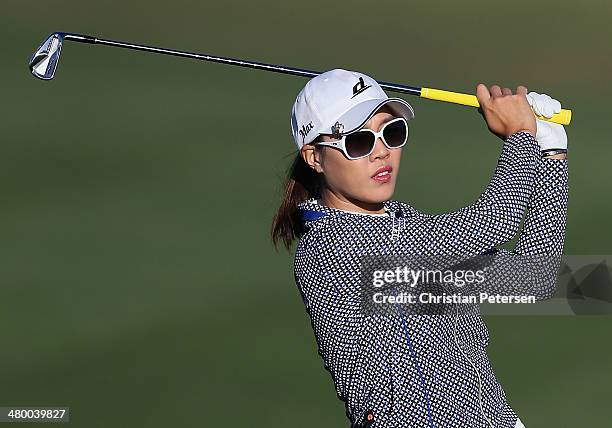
[302, 182]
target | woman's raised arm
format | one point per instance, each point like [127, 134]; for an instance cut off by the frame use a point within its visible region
[495, 217]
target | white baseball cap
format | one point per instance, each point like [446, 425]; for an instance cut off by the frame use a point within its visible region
[339, 102]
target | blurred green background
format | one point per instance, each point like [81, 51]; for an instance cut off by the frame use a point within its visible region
[138, 282]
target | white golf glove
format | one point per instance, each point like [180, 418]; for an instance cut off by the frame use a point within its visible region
[549, 135]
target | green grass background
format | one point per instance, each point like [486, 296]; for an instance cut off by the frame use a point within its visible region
[138, 282]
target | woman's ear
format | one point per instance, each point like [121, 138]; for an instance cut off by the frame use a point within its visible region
[312, 157]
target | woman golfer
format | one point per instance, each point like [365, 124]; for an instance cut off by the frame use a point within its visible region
[403, 369]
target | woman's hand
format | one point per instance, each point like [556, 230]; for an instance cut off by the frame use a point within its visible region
[549, 135]
[504, 112]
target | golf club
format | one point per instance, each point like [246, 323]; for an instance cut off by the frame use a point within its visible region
[44, 63]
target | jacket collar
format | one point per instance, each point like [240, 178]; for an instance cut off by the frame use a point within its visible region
[311, 211]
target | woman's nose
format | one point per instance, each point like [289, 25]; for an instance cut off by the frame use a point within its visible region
[380, 150]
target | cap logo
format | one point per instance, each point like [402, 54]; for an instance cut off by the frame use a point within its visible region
[337, 129]
[359, 87]
[305, 130]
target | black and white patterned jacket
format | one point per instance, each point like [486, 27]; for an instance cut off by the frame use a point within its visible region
[424, 371]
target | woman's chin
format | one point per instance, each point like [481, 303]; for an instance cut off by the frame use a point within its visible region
[378, 195]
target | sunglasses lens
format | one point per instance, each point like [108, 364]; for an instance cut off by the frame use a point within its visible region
[359, 143]
[396, 133]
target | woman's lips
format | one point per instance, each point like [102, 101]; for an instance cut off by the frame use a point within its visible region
[383, 174]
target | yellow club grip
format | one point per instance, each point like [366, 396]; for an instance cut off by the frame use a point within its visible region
[564, 117]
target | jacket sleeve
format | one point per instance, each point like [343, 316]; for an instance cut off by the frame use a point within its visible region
[533, 265]
[325, 287]
[349, 340]
[495, 217]
[544, 228]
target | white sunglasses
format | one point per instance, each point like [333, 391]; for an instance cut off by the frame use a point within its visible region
[361, 143]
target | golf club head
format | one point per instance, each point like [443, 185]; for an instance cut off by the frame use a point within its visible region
[44, 61]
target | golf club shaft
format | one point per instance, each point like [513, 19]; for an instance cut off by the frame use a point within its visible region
[224, 60]
[563, 117]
